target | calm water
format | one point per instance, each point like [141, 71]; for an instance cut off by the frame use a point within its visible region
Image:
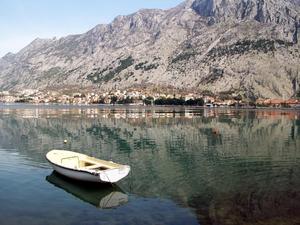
[189, 166]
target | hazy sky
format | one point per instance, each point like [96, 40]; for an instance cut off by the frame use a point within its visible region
[21, 21]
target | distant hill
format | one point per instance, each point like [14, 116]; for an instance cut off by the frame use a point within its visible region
[249, 47]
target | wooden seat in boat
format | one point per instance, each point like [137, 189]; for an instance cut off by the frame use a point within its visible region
[89, 164]
[95, 167]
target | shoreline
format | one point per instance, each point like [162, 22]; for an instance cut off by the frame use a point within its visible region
[111, 106]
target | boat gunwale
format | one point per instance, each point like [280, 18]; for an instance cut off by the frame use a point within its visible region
[75, 170]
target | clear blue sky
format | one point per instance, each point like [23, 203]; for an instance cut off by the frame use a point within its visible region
[21, 21]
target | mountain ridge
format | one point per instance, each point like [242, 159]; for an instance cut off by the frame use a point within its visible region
[222, 46]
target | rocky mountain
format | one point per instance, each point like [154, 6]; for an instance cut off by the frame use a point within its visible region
[248, 47]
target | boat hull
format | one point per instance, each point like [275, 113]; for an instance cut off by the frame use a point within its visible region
[77, 175]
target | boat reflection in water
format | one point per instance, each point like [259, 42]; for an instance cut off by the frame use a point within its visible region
[99, 195]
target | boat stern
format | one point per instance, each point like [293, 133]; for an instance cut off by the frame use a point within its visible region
[114, 175]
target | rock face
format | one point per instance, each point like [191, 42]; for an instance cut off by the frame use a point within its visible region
[247, 47]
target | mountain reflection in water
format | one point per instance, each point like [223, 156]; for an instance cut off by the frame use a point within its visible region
[224, 166]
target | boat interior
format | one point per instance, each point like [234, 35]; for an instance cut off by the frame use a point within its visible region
[80, 161]
[77, 163]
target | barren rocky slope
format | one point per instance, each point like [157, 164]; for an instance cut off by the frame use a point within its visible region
[250, 47]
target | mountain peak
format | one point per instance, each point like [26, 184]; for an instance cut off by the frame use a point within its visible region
[278, 11]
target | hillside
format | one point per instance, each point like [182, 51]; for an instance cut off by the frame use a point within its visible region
[249, 47]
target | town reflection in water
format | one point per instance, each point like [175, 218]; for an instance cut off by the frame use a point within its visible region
[129, 112]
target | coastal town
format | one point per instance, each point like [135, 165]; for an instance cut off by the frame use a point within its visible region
[141, 97]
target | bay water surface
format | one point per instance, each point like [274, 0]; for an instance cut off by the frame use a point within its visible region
[189, 165]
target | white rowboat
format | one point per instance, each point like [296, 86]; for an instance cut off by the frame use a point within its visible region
[85, 168]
